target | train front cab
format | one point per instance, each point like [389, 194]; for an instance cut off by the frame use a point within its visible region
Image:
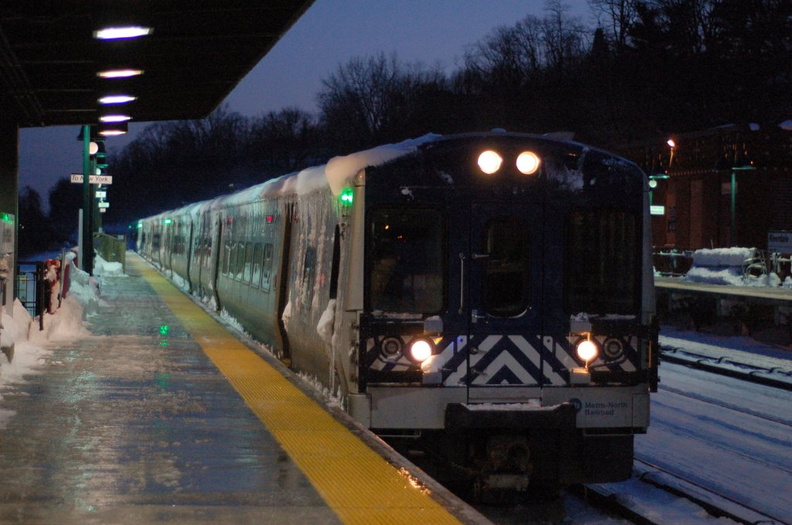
[508, 316]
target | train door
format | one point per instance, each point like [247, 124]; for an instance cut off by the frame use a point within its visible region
[505, 262]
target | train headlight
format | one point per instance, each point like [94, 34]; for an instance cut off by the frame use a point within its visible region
[419, 350]
[489, 162]
[528, 162]
[587, 350]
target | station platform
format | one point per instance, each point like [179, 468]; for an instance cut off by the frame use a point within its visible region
[776, 295]
[161, 415]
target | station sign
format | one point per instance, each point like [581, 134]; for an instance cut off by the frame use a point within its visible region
[779, 241]
[656, 210]
[77, 178]
[101, 194]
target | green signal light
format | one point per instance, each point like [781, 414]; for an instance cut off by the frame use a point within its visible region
[347, 197]
[167, 221]
[164, 329]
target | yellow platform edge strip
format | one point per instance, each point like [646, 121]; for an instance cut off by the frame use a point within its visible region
[356, 483]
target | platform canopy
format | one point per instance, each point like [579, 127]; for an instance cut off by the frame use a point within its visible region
[196, 53]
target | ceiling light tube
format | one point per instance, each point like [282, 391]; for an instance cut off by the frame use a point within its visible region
[119, 33]
[120, 73]
[114, 118]
[112, 130]
[116, 99]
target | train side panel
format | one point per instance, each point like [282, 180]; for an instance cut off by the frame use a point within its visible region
[313, 282]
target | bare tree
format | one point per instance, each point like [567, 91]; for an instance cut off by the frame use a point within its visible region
[564, 37]
[368, 101]
[616, 17]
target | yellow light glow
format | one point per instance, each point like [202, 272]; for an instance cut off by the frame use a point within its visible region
[420, 350]
[489, 162]
[528, 162]
[112, 132]
[587, 350]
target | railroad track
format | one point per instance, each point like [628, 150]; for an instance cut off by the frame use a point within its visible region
[775, 377]
[723, 404]
[619, 499]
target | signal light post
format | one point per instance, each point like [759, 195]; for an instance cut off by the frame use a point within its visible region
[87, 223]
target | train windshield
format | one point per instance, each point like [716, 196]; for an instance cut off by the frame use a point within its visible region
[407, 265]
[506, 279]
[603, 258]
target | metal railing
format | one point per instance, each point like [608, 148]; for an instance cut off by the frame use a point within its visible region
[31, 286]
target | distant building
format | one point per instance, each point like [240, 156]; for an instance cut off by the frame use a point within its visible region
[722, 187]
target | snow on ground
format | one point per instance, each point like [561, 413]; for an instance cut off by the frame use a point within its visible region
[32, 346]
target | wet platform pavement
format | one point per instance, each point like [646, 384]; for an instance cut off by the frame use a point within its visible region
[156, 417]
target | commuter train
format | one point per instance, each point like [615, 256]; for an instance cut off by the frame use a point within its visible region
[486, 298]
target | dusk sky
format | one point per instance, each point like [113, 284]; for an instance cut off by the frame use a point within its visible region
[330, 33]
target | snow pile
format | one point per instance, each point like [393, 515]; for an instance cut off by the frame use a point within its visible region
[727, 266]
[340, 169]
[30, 344]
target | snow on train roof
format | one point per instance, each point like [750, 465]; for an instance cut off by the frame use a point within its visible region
[335, 174]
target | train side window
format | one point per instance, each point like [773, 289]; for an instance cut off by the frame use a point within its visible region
[506, 275]
[257, 259]
[236, 269]
[266, 268]
[226, 257]
[308, 277]
[334, 270]
[247, 262]
[603, 257]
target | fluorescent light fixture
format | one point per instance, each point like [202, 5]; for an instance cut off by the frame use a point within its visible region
[119, 73]
[119, 33]
[114, 118]
[116, 99]
[112, 130]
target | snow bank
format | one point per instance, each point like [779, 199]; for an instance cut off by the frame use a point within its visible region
[723, 266]
[31, 346]
[723, 256]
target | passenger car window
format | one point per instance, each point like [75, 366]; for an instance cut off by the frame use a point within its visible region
[266, 268]
[257, 260]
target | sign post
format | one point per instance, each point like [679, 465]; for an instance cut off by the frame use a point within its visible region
[87, 251]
